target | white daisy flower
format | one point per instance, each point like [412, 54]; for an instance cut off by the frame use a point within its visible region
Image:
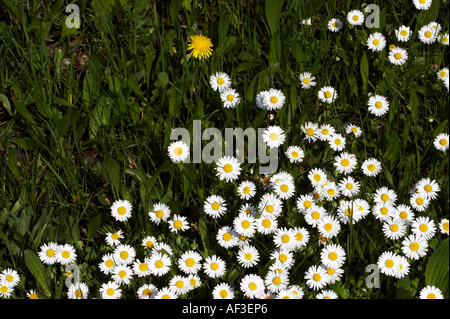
[108, 264]
[266, 225]
[349, 211]
[398, 56]
[248, 209]
[355, 17]
[178, 224]
[245, 225]
[148, 242]
[348, 187]
[284, 188]
[310, 129]
[270, 205]
[194, 281]
[159, 264]
[252, 286]
[230, 98]
[403, 33]
[65, 254]
[228, 168]
[385, 195]
[441, 142]
[371, 167]
[419, 202]
[276, 281]
[161, 212]
[273, 99]
[10, 276]
[227, 237]
[178, 151]
[383, 211]
[246, 190]
[403, 267]
[304, 202]
[378, 105]
[362, 206]
[259, 100]
[317, 177]
[307, 80]
[214, 266]
[327, 294]
[113, 239]
[335, 25]
[110, 290]
[124, 254]
[283, 238]
[337, 142]
[428, 188]
[141, 269]
[388, 263]
[404, 213]
[376, 42]
[284, 257]
[414, 247]
[121, 210]
[219, 81]
[301, 237]
[122, 274]
[306, 21]
[285, 294]
[166, 293]
[333, 256]
[313, 215]
[297, 291]
[444, 39]
[147, 291]
[215, 206]
[325, 131]
[423, 226]
[328, 226]
[190, 262]
[427, 34]
[295, 154]
[179, 284]
[248, 256]
[430, 292]
[223, 291]
[444, 226]
[422, 4]
[327, 94]
[47, 253]
[162, 248]
[351, 128]
[333, 274]
[394, 228]
[330, 191]
[442, 74]
[345, 163]
[316, 277]
[273, 136]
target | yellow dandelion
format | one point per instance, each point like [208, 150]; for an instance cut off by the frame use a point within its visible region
[200, 46]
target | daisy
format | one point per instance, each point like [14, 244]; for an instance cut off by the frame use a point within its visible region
[124, 254]
[403, 267]
[334, 25]
[403, 33]
[325, 131]
[214, 266]
[147, 291]
[166, 293]
[266, 225]
[441, 142]
[113, 239]
[297, 291]
[248, 256]
[419, 202]
[306, 21]
[227, 237]
[428, 188]
[141, 269]
[276, 281]
[384, 195]
[148, 242]
[443, 226]
[122, 274]
[404, 213]
[245, 225]
[200, 46]
[194, 281]
[273, 136]
[307, 80]
[317, 177]
[179, 284]
[11, 276]
[371, 167]
[427, 34]
[32, 294]
[5, 288]
[223, 291]
[327, 94]
[442, 74]
[345, 163]
[285, 294]
[310, 129]
[161, 212]
[270, 205]
[280, 267]
[422, 4]
[348, 211]
[252, 286]
[215, 206]
[159, 264]
[284, 257]
[328, 226]
[356, 130]
[284, 188]
[283, 238]
[78, 290]
[355, 17]
[110, 290]
[394, 228]
[376, 42]
[301, 237]
[348, 187]
[327, 294]
[398, 56]
[178, 151]
[388, 263]
[162, 248]
[228, 168]
[337, 142]
[273, 99]
[444, 39]
[423, 226]
[383, 211]
[333, 274]
[65, 254]
[333, 256]
[313, 215]
[190, 262]
[259, 100]
[281, 175]
[248, 209]
[121, 210]
[107, 265]
[178, 223]
[378, 105]
[230, 98]
[316, 277]
[246, 190]
[414, 247]
[47, 254]
[330, 191]
[362, 206]
[219, 81]
[304, 202]
[243, 241]
[295, 154]
[430, 292]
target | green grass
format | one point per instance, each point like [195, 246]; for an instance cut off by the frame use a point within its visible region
[87, 115]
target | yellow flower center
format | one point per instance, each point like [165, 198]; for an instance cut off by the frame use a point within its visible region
[333, 256]
[428, 188]
[349, 212]
[294, 154]
[325, 131]
[33, 296]
[159, 263]
[317, 277]
[307, 204]
[431, 296]
[190, 262]
[179, 284]
[428, 34]
[227, 236]
[223, 293]
[270, 208]
[403, 33]
[215, 206]
[252, 286]
[354, 129]
[310, 132]
[443, 142]
[178, 151]
[159, 213]
[109, 263]
[143, 267]
[403, 215]
[230, 97]
[177, 224]
[371, 167]
[306, 81]
[378, 105]
[445, 226]
[124, 254]
[385, 197]
[335, 24]
[273, 99]
[315, 215]
[282, 257]
[285, 238]
[394, 227]
[146, 292]
[389, 263]
[328, 226]
[220, 81]
[384, 211]
[50, 253]
[228, 168]
[355, 18]
[110, 291]
[299, 236]
[122, 274]
[414, 246]
[337, 141]
[398, 56]
[246, 190]
[420, 201]
[248, 256]
[115, 236]
[214, 266]
[349, 185]
[345, 162]
[331, 192]
[317, 177]
[149, 244]
[121, 210]
[423, 228]
[65, 254]
[327, 94]
[273, 136]
[276, 281]
[284, 188]
[245, 224]
[376, 42]
[266, 223]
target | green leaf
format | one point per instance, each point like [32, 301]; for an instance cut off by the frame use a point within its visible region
[38, 271]
[5, 103]
[204, 235]
[94, 224]
[364, 69]
[111, 171]
[436, 272]
[272, 10]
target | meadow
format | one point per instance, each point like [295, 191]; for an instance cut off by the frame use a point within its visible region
[86, 116]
